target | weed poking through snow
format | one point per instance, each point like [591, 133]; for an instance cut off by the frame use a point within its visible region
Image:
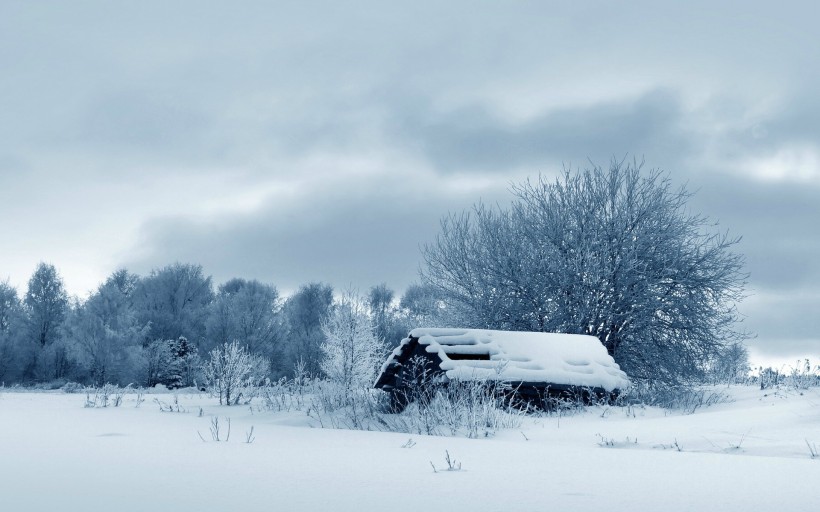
[812, 449]
[736, 446]
[452, 464]
[605, 441]
[166, 407]
[672, 446]
[609, 442]
[216, 430]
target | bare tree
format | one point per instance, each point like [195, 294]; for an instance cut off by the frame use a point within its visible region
[304, 312]
[247, 311]
[174, 300]
[46, 303]
[380, 303]
[104, 331]
[731, 365]
[422, 306]
[389, 324]
[610, 253]
[10, 318]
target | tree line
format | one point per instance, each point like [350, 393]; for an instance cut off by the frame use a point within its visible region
[614, 253]
[158, 328]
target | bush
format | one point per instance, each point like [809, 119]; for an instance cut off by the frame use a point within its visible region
[233, 375]
[469, 408]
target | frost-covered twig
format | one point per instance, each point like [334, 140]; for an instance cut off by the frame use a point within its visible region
[140, 397]
[812, 449]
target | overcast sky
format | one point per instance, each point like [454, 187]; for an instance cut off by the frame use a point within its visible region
[299, 141]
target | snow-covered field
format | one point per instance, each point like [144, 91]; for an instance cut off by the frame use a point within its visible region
[749, 454]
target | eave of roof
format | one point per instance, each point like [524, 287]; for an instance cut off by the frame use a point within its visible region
[561, 359]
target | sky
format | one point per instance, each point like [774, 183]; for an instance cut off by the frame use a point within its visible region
[323, 141]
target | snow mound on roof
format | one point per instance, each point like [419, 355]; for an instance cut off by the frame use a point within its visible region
[569, 359]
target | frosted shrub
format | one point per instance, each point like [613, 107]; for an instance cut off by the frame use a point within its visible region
[331, 404]
[285, 395]
[232, 374]
[471, 408]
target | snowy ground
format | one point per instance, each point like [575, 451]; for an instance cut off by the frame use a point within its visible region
[750, 454]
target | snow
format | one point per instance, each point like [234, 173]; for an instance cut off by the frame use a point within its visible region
[521, 357]
[750, 454]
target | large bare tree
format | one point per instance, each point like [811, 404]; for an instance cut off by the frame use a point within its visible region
[613, 253]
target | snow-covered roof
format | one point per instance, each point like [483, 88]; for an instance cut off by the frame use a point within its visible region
[471, 354]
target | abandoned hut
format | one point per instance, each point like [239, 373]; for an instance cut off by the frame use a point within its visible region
[535, 366]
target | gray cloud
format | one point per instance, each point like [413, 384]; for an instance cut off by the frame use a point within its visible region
[475, 138]
[11, 167]
[143, 121]
[795, 122]
[794, 309]
[777, 221]
[343, 237]
[295, 142]
[244, 87]
[781, 350]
